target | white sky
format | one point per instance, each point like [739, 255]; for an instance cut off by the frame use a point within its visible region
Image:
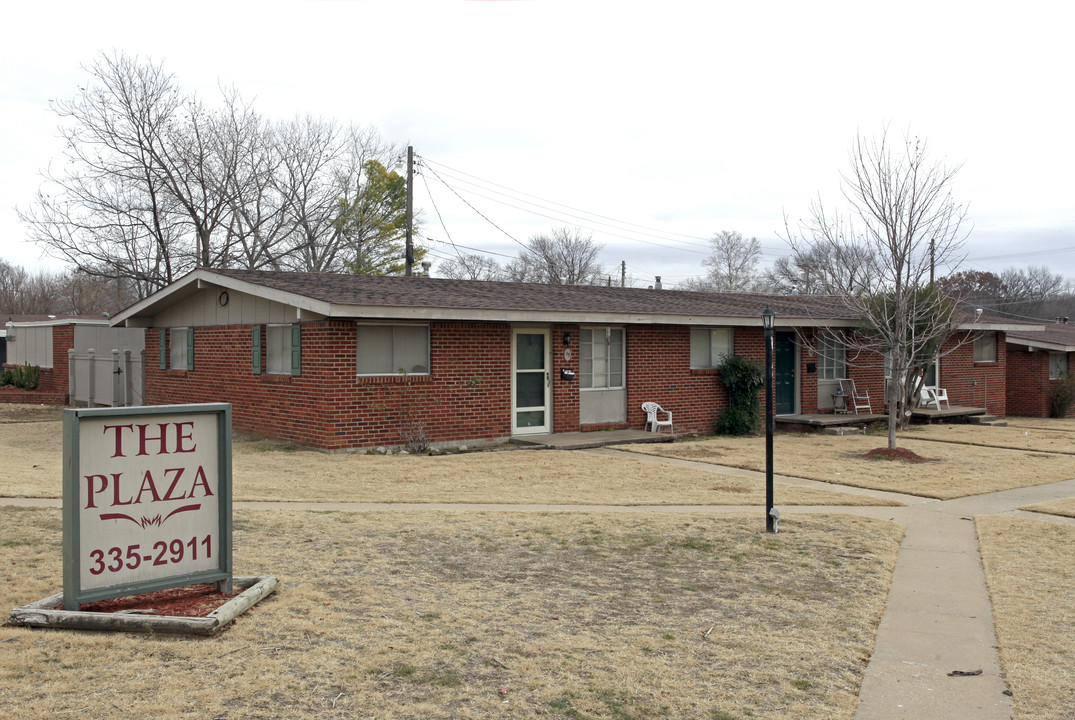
[683, 118]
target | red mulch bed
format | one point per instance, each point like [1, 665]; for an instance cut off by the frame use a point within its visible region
[894, 454]
[190, 601]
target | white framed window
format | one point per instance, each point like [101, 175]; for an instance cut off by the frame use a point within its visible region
[709, 346]
[1058, 365]
[391, 349]
[178, 349]
[985, 347]
[601, 358]
[831, 357]
[278, 349]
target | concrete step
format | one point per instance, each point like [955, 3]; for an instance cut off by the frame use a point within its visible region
[987, 420]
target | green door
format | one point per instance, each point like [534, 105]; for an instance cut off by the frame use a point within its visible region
[784, 373]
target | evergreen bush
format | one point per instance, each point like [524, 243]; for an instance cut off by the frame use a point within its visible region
[743, 378]
[26, 377]
[1063, 395]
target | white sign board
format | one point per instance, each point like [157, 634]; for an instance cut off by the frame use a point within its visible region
[147, 499]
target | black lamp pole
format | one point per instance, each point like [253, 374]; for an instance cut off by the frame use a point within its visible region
[767, 318]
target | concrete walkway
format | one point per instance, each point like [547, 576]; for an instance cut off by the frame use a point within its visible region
[938, 619]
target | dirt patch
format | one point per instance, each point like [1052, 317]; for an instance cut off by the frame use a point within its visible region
[23, 413]
[897, 453]
[191, 601]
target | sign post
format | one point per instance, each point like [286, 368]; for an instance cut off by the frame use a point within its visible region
[146, 500]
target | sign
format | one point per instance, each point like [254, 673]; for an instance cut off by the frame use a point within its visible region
[146, 500]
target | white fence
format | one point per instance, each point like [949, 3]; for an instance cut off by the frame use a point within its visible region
[115, 378]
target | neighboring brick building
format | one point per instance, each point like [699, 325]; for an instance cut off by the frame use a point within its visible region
[1036, 362]
[344, 361]
[41, 341]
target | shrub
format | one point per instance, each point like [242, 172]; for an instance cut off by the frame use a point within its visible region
[1063, 395]
[743, 378]
[26, 377]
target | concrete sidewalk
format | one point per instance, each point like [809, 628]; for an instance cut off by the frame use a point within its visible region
[939, 618]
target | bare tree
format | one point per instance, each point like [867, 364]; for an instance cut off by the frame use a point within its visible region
[732, 263]
[563, 257]
[847, 269]
[471, 266]
[902, 213]
[155, 182]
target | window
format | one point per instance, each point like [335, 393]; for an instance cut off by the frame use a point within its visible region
[985, 348]
[391, 349]
[709, 345]
[832, 358]
[180, 350]
[1058, 365]
[601, 358]
[282, 349]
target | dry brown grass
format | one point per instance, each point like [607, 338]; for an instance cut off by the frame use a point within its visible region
[1030, 570]
[957, 471]
[1065, 507]
[272, 471]
[1033, 434]
[433, 615]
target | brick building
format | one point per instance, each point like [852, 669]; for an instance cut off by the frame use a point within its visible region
[42, 341]
[1036, 363]
[344, 361]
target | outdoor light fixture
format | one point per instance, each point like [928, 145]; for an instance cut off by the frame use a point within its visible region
[567, 338]
[767, 318]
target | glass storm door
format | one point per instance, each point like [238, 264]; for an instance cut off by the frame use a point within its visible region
[530, 382]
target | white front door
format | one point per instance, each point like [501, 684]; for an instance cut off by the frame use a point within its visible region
[531, 383]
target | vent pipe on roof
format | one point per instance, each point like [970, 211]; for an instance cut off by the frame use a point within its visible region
[657, 283]
[426, 264]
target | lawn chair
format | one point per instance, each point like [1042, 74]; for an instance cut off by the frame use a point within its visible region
[933, 395]
[652, 423]
[858, 399]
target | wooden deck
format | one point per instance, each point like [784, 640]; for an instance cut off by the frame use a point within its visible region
[958, 413]
[831, 422]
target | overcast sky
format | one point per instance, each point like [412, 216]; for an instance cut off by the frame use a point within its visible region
[651, 125]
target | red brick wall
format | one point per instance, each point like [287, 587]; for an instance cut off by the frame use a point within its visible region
[659, 370]
[1030, 391]
[974, 384]
[52, 390]
[465, 398]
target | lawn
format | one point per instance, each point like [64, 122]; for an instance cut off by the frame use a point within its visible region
[954, 469]
[1030, 569]
[478, 615]
[272, 471]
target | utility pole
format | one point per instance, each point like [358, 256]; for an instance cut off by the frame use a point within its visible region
[410, 210]
[623, 273]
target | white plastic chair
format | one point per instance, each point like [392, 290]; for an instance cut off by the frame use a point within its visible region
[652, 423]
[933, 395]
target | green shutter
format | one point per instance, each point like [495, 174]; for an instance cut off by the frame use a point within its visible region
[190, 348]
[164, 348]
[255, 349]
[296, 350]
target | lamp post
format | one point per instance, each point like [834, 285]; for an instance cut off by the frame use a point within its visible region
[767, 318]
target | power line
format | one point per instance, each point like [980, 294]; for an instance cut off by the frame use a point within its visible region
[704, 241]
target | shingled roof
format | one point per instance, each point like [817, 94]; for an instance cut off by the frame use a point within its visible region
[1055, 336]
[320, 295]
[346, 295]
